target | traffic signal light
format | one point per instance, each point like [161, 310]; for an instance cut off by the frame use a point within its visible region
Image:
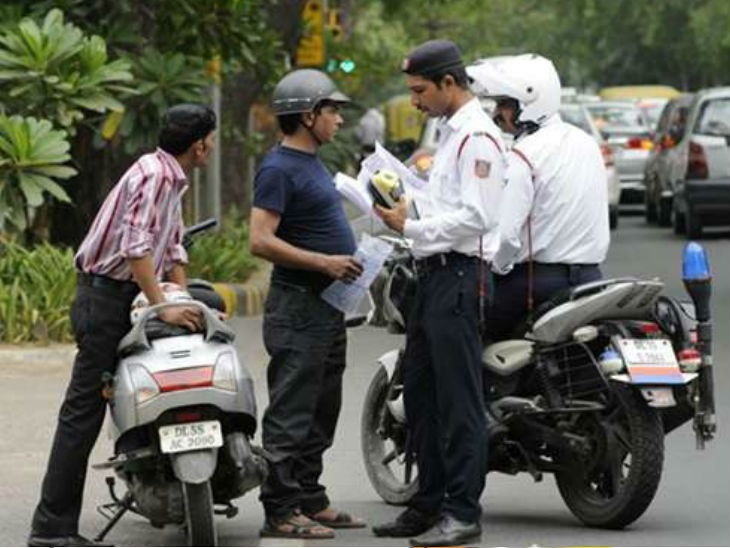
[347, 66]
[336, 64]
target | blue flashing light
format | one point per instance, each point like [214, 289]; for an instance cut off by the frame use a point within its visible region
[695, 263]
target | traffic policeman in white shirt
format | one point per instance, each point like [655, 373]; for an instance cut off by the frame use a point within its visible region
[553, 222]
[452, 240]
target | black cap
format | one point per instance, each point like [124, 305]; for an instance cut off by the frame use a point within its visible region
[432, 57]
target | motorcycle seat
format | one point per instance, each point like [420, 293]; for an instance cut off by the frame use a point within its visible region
[556, 299]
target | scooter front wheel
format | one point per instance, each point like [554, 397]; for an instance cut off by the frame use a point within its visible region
[199, 520]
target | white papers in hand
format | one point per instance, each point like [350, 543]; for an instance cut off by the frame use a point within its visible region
[355, 192]
[346, 297]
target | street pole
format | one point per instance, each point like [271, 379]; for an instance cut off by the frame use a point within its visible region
[213, 173]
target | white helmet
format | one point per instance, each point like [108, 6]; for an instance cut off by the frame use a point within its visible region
[173, 293]
[530, 79]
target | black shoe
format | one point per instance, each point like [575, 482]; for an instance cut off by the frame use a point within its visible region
[409, 523]
[449, 531]
[69, 540]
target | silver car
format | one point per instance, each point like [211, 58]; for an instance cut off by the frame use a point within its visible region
[700, 165]
[669, 131]
[625, 127]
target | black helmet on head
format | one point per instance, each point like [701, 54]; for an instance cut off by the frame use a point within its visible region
[302, 90]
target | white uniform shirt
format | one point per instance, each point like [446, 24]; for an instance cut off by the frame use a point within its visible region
[557, 178]
[464, 188]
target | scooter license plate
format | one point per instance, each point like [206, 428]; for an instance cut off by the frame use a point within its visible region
[651, 361]
[189, 436]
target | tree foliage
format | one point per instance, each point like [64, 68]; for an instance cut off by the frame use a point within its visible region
[54, 71]
[595, 43]
[52, 75]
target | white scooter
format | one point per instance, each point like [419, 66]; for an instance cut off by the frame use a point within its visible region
[184, 413]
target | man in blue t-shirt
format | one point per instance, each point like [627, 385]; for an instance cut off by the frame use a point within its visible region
[298, 223]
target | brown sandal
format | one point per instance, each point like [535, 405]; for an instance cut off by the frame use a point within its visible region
[341, 520]
[295, 525]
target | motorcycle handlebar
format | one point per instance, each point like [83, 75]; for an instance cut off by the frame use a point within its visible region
[201, 226]
[195, 229]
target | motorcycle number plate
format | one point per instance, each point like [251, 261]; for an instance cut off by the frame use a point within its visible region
[651, 361]
[175, 438]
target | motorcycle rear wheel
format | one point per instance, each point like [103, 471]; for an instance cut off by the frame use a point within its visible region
[384, 457]
[614, 485]
[199, 520]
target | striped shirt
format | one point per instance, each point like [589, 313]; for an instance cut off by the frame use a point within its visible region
[141, 215]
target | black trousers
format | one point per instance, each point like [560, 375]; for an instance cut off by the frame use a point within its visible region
[100, 318]
[442, 383]
[306, 340]
[508, 308]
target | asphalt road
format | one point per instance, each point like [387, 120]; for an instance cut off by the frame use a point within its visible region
[690, 508]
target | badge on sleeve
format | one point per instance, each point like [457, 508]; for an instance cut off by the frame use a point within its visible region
[482, 168]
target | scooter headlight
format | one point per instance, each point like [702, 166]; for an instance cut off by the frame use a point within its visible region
[224, 376]
[145, 387]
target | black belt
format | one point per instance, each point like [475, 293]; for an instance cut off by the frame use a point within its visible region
[297, 288]
[554, 268]
[442, 260]
[104, 282]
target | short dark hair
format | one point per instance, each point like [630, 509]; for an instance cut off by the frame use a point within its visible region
[457, 73]
[288, 123]
[183, 125]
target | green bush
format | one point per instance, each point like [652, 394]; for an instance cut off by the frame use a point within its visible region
[223, 256]
[37, 284]
[36, 290]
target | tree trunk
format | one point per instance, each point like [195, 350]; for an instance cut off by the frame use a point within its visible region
[239, 93]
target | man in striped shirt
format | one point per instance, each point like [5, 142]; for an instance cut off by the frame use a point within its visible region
[134, 243]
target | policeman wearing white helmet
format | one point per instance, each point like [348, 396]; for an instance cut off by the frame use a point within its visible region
[553, 221]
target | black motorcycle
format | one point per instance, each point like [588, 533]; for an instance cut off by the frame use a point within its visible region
[586, 391]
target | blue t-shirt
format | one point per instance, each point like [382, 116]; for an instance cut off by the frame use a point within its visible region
[297, 186]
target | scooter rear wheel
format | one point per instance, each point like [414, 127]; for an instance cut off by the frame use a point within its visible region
[199, 520]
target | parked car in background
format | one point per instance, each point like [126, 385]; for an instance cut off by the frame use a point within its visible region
[576, 114]
[669, 131]
[626, 129]
[700, 176]
[652, 109]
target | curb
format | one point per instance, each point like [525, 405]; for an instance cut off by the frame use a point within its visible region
[247, 299]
